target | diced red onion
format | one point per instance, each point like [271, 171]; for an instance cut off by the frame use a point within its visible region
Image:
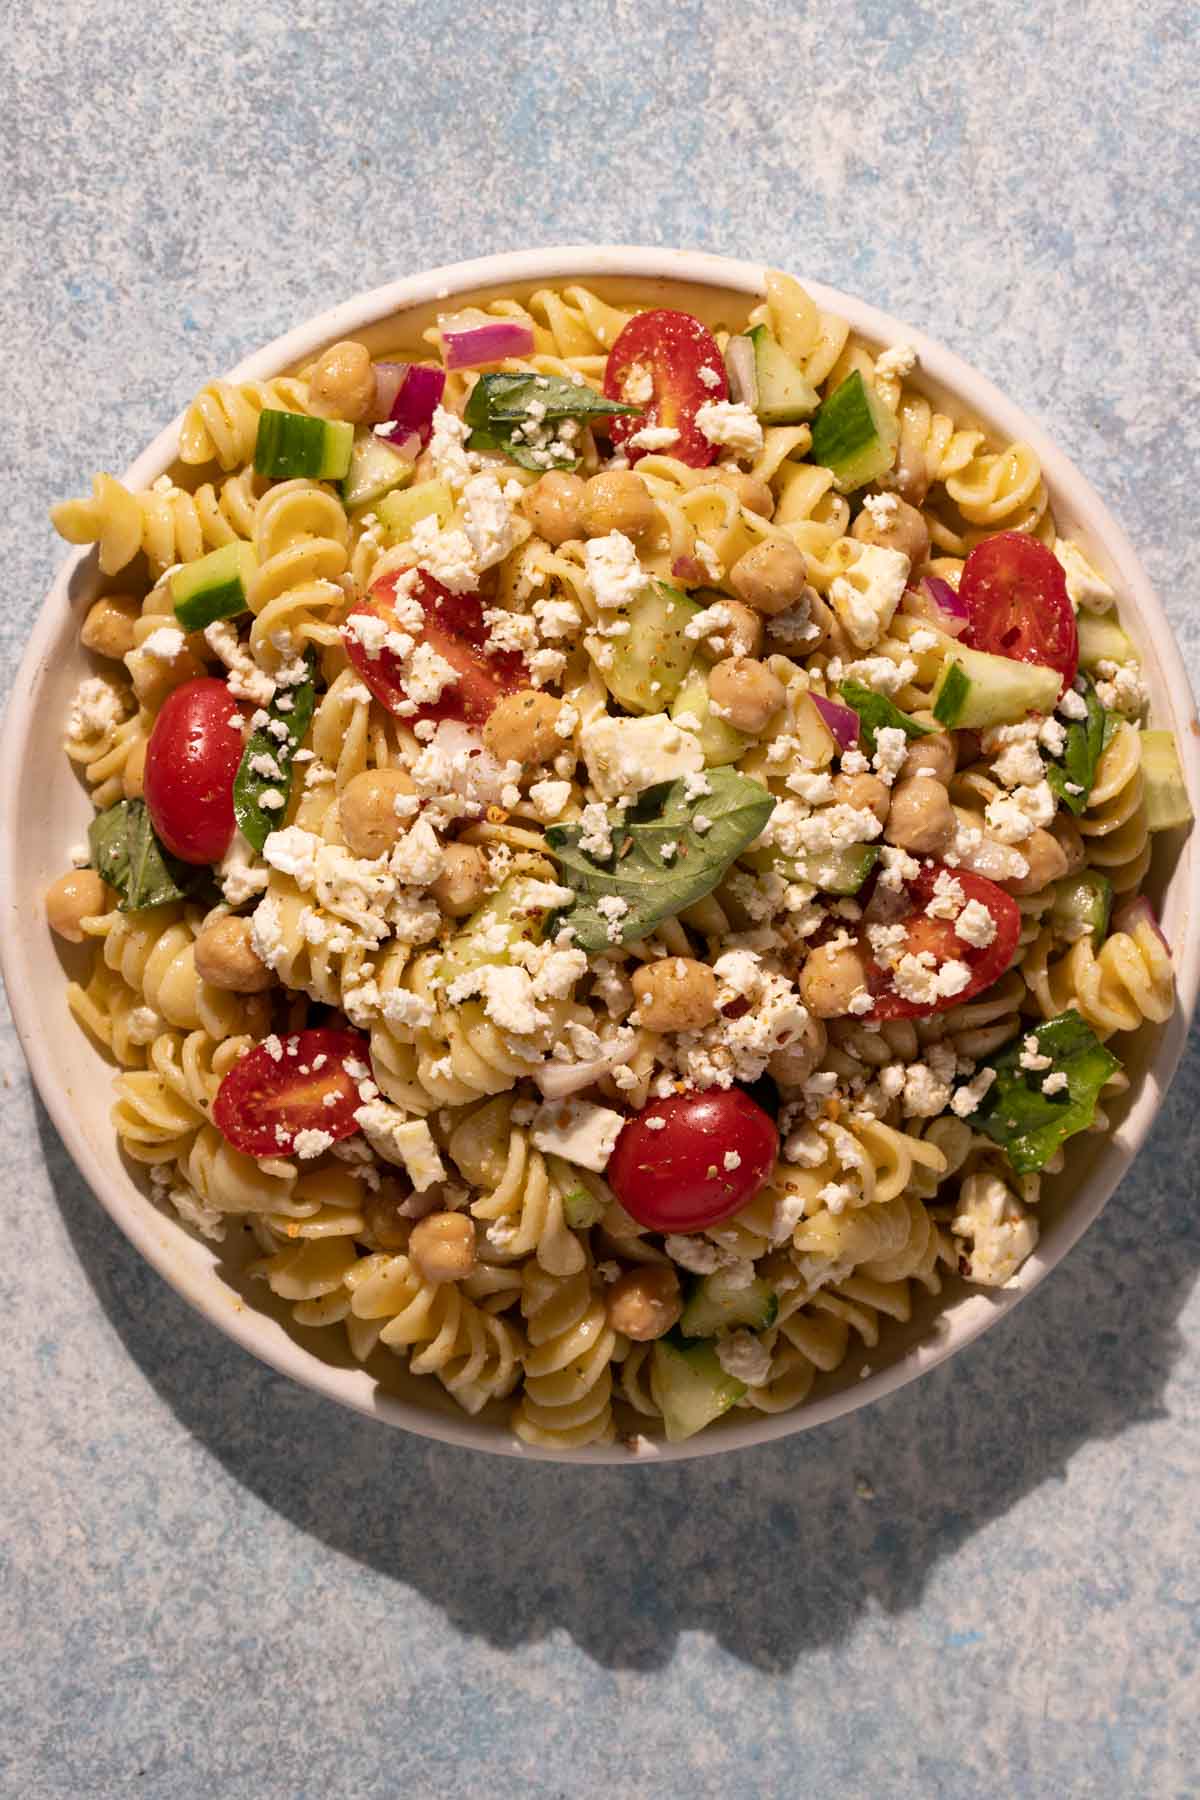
[389, 379]
[406, 445]
[842, 721]
[418, 400]
[936, 602]
[743, 375]
[468, 345]
[945, 597]
[1139, 912]
[688, 568]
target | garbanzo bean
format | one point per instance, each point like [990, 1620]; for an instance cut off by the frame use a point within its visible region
[921, 817]
[462, 884]
[830, 979]
[934, 756]
[644, 1303]
[108, 628]
[866, 793]
[78, 895]
[752, 493]
[617, 500]
[367, 810]
[903, 529]
[554, 506]
[226, 958]
[1047, 862]
[770, 577]
[745, 693]
[676, 994]
[521, 727]
[443, 1246]
[342, 384]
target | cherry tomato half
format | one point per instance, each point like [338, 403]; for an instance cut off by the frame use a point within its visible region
[672, 348]
[676, 1176]
[191, 760]
[454, 627]
[940, 938]
[1017, 604]
[266, 1098]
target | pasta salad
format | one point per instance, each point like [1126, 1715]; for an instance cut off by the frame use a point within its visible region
[618, 849]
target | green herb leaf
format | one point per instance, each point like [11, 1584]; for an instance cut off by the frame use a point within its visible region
[256, 821]
[517, 414]
[1029, 1125]
[653, 888]
[876, 711]
[128, 855]
[1086, 739]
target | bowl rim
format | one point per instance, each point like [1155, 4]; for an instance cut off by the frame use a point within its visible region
[258, 1332]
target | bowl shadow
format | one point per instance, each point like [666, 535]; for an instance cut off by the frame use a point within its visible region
[627, 1559]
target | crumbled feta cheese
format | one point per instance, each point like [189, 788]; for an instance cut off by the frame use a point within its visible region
[96, 708]
[966, 1098]
[1055, 1084]
[921, 979]
[975, 925]
[709, 378]
[165, 643]
[452, 462]
[896, 362]
[744, 1357]
[653, 437]
[239, 877]
[308, 1144]
[508, 999]
[550, 799]
[1031, 1057]
[881, 509]
[1001, 1232]
[246, 681]
[624, 756]
[1072, 706]
[1086, 589]
[1011, 818]
[731, 424]
[865, 596]
[578, 1131]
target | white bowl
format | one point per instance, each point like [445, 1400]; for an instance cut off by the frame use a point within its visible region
[43, 811]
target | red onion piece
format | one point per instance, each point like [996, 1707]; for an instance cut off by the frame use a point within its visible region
[389, 379]
[418, 400]
[743, 375]
[945, 598]
[930, 603]
[842, 721]
[406, 445]
[1139, 912]
[468, 345]
[688, 568]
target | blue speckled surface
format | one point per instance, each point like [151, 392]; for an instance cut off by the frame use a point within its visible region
[212, 1583]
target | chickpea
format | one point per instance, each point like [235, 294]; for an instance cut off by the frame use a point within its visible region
[752, 493]
[618, 500]
[342, 384]
[367, 810]
[792, 1064]
[74, 897]
[108, 628]
[463, 881]
[521, 727]
[905, 530]
[830, 979]
[554, 506]
[743, 636]
[1069, 839]
[154, 679]
[745, 692]
[133, 778]
[443, 1246]
[1047, 862]
[644, 1303]
[770, 577]
[866, 793]
[385, 1222]
[934, 756]
[921, 817]
[226, 958]
[676, 994]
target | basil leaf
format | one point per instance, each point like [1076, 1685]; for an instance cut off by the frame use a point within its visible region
[876, 711]
[1029, 1125]
[653, 888]
[257, 821]
[1084, 745]
[128, 855]
[516, 415]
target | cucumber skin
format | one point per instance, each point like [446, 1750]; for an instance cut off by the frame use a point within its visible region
[854, 435]
[706, 1312]
[1164, 793]
[401, 508]
[690, 1387]
[293, 446]
[1069, 906]
[719, 742]
[360, 489]
[214, 586]
[977, 689]
[785, 395]
[1100, 640]
[654, 650]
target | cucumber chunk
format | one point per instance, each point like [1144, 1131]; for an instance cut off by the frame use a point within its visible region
[783, 394]
[839, 872]
[1164, 793]
[713, 1304]
[1082, 906]
[854, 435]
[399, 511]
[719, 742]
[583, 1204]
[375, 469]
[509, 907]
[690, 1387]
[1102, 640]
[649, 665]
[976, 689]
[214, 586]
[291, 446]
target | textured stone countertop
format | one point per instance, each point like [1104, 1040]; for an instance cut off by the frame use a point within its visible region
[213, 1583]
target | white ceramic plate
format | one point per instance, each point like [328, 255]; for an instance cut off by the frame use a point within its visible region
[43, 811]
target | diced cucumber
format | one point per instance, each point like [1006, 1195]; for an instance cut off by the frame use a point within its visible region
[719, 742]
[1164, 793]
[376, 467]
[510, 909]
[854, 435]
[583, 1204]
[784, 394]
[1102, 640]
[291, 446]
[713, 1304]
[1082, 906]
[690, 1387]
[838, 872]
[649, 664]
[400, 511]
[214, 586]
[976, 689]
